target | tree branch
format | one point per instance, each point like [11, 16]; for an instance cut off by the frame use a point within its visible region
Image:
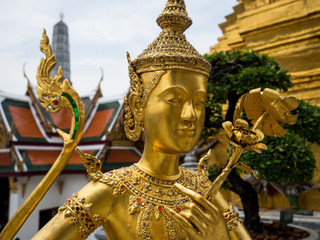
[205, 149]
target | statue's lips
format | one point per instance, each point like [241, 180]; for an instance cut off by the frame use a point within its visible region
[187, 131]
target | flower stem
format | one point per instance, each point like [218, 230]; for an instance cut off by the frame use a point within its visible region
[259, 121]
[215, 186]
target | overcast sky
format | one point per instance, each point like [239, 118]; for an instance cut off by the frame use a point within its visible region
[100, 33]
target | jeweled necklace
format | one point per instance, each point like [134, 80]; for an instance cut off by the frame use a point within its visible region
[153, 190]
[149, 196]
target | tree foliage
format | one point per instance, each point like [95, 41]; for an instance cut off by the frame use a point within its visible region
[308, 124]
[234, 74]
[289, 158]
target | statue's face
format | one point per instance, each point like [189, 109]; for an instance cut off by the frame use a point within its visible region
[174, 113]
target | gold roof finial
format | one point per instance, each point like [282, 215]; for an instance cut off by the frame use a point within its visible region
[171, 50]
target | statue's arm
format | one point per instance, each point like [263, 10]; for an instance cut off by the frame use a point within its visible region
[80, 215]
[237, 230]
[58, 228]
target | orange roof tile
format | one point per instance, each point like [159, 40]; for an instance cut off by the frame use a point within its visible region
[5, 159]
[45, 157]
[122, 156]
[98, 123]
[62, 119]
[24, 122]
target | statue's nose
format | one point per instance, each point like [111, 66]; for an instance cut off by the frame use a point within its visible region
[188, 113]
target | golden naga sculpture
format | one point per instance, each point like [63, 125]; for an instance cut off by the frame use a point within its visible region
[54, 95]
[155, 198]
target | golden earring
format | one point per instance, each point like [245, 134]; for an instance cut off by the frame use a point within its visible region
[132, 126]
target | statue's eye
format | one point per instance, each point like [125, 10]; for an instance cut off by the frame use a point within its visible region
[200, 100]
[200, 104]
[173, 95]
[174, 100]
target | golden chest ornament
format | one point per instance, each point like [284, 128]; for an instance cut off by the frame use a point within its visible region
[149, 196]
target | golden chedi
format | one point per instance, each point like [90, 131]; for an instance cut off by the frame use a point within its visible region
[155, 198]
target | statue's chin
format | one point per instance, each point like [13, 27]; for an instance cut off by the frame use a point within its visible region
[187, 145]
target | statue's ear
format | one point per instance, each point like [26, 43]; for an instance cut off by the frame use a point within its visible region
[136, 106]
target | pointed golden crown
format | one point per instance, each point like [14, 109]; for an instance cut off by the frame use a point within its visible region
[171, 50]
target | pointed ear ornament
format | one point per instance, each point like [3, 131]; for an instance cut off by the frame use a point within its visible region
[132, 126]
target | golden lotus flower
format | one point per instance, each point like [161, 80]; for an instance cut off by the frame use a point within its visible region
[241, 136]
[276, 110]
[267, 110]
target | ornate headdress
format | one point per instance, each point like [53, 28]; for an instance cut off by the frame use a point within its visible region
[170, 50]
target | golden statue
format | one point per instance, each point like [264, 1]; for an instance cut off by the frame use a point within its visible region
[155, 198]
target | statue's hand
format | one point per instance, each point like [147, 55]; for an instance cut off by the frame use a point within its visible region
[199, 218]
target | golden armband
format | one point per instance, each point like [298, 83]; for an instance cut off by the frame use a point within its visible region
[232, 218]
[80, 213]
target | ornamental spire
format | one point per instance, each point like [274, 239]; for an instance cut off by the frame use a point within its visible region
[171, 50]
[61, 16]
[174, 17]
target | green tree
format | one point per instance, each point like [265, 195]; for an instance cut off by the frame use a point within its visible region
[235, 73]
[289, 159]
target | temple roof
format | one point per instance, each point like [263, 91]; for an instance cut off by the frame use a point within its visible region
[29, 142]
[32, 142]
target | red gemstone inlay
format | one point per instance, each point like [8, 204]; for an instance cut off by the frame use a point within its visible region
[88, 219]
[122, 187]
[160, 208]
[56, 102]
[202, 182]
[69, 201]
[200, 193]
[179, 209]
[138, 200]
[98, 164]
[230, 216]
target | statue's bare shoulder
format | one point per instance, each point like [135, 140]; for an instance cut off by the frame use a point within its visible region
[82, 212]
